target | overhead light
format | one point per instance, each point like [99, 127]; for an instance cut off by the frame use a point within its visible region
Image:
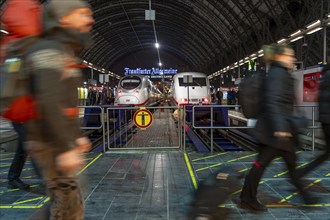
[297, 38]
[253, 55]
[281, 41]
[295, 33]
[313, 24]
[160, 64]
[3, 31]
[313, 31]
[260, 55]
[260, 51]
[157, 45]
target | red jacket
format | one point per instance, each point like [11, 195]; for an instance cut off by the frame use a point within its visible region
[21, 18]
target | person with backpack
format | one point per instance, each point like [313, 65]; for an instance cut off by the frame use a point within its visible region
[274, 130]
[19, 27]
[324, 117]
[54, 138]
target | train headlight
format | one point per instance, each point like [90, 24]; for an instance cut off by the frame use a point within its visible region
[120, 92]
[136, 92]
[205, 100]
[184, 100]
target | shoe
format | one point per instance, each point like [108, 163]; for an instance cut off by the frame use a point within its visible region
[17, 183]
[254, 206]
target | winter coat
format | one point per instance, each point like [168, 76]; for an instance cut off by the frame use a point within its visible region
[324, 96]
[278, 99]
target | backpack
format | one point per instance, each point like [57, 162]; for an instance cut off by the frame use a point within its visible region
[16, 101]
[251, 94]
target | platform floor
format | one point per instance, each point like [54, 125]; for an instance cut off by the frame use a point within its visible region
[158, 185]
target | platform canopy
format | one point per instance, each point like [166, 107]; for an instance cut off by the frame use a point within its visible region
[197, 35]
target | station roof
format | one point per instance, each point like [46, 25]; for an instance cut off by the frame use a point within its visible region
[197, 35]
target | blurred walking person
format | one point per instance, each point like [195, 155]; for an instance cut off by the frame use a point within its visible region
[54, 140]
[19, 27]
[274, 131]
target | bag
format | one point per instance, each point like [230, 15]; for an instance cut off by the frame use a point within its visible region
[214, 191]
[16, 101]
[251, 95]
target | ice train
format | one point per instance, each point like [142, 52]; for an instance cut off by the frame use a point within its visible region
[137, 90]
[190, 88]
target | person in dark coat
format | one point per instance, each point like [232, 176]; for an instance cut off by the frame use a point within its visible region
[324, 117]
[274, 130]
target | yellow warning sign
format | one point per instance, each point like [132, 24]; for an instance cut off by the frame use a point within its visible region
[142, 118]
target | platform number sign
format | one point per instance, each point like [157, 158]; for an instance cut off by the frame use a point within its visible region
[142, 118]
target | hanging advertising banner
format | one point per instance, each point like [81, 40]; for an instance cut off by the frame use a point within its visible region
[151, 73]
[311, 86]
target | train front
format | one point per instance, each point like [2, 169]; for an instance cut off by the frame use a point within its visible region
[131, 91]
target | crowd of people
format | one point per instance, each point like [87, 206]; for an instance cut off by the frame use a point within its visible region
[104, 97]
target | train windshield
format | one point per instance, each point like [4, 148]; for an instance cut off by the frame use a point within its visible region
[130, 83]
[197, 81]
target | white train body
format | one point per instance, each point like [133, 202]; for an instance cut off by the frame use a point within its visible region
[199, 90]
[137, 90]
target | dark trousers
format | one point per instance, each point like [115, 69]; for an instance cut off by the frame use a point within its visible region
[267, 154]
[17, 164]
[321, 158]
[20, 156]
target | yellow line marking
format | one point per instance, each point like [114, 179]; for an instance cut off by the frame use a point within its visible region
[191, 172]
[5, 154]
[216, 155]
[218, 164]
[251, 155]
[327, 174]
[14, 206]
[243, 170]
[6, 159]
[286, 171]
[6, 165]
[28, 200]
[295, 193]
[16, 189]
[90, 163]
[204, 168]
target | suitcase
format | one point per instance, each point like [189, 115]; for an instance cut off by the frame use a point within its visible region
[212, 192]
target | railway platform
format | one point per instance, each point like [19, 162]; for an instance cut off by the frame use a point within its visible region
[151, 177]
[160, 185]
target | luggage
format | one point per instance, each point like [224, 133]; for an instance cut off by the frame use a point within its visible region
[212, 193]
[251, 95]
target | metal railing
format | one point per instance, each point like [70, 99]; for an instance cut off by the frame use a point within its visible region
[123, 133]
[310, 115]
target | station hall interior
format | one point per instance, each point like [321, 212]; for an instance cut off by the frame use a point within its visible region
[148, 164]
